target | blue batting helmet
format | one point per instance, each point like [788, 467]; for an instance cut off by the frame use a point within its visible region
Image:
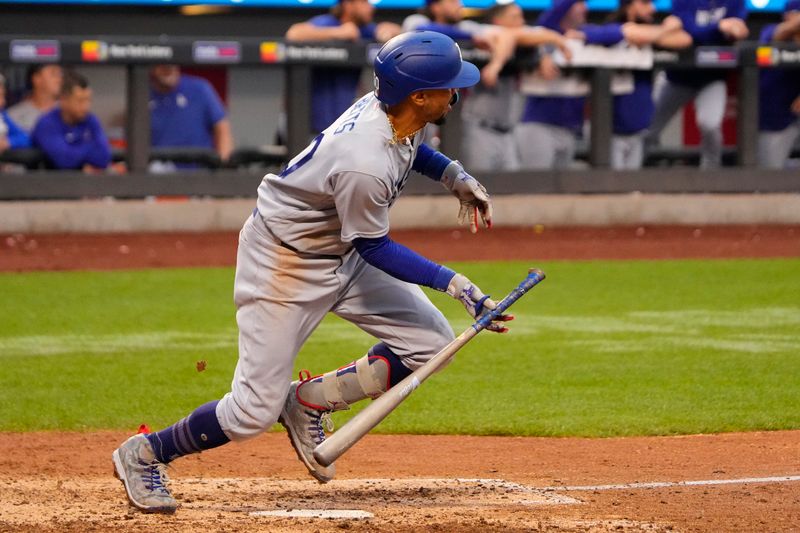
[420, 60]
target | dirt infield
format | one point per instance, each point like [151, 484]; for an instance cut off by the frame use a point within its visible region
[63, 482]
[736, 482]
[77, 251]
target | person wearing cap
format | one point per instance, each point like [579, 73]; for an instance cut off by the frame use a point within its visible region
[633, 112]
[318, 242]
[11, 135]
[43, 82]
[779, 95]
[550, 125]
[335, 88]
[710, 23]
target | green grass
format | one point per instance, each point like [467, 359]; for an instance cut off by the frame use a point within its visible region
[598, 349]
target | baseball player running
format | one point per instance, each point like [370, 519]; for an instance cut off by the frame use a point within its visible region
[318, 242]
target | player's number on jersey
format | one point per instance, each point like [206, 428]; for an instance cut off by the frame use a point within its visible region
[306, 157]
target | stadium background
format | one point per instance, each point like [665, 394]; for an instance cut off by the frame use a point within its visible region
[668, 371]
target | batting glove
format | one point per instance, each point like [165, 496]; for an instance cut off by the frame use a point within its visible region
[472, 195]
[476, 303]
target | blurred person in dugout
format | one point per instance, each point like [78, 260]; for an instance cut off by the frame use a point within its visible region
[185, 111]
[779, 95]
[447, 17]
[70, 136]
[11, 135]
[492, 108]
[334, 89]
[551, 123]
[710, 23]
[633, 112]
[444, 16]
[43, 83]
[489, 116]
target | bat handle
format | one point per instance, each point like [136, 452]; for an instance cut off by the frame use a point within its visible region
[534, 277]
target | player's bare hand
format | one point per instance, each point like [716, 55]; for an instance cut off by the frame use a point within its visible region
[348, 31]
[734, 28]
[563, 45]
[476, 303]
[547, 68]
[575, 34]
[475, 201]
[796, 106]
[482, 41]
[672, 23]
[489, 75]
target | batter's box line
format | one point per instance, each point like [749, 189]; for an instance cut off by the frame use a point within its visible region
[666, 484]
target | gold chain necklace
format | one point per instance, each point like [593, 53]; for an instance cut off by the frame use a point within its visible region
[395, 138]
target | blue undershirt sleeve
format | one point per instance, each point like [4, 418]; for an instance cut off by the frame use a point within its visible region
[403, 263]
[738, 9]
[603, 34]
[99, 155]
[768, 33]
[430, 162]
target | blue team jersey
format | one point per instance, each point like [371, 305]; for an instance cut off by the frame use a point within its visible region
[634, 112]
[17, 137]
[70, 146]
[186, 115]
[701, 20]
[777, 90]
[333, 89]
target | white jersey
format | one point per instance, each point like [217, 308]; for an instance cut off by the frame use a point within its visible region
[342, 185]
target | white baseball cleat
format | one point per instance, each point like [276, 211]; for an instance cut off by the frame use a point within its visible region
[143, 476]
[305, 428]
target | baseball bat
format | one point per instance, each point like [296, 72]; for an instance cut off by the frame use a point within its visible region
[361, 424]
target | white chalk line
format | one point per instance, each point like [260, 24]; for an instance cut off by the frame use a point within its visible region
[663, 484]
[351, 514]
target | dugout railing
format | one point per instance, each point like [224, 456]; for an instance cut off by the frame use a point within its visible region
[295, 60]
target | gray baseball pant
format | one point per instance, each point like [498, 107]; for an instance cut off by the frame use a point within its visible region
[709, 103]
[544, 146]
[774, 147]
[281, 297]
[487, 149]
[627, 151]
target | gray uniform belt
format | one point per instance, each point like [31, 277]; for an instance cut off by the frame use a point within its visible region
[497, 128]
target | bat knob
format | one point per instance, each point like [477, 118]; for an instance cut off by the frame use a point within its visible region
[536, 271]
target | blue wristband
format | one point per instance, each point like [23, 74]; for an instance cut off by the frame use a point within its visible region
[403, 263]
[430, 162]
